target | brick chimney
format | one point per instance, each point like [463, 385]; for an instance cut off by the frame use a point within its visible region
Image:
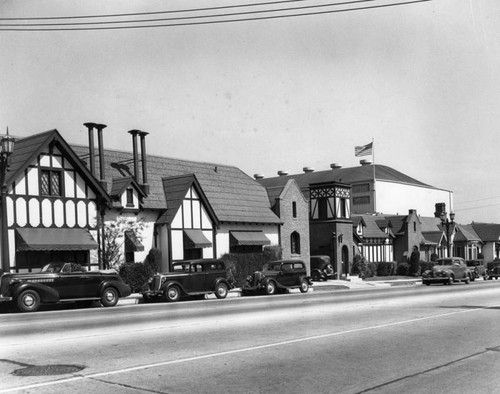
[440, 208]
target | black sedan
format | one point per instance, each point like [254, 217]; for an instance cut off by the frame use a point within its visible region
[62, 282]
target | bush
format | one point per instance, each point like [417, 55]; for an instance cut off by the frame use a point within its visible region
[386, 268]
[240, 265]
[363, 268]
[136, 275]
[403, 269]
[426, 265]
[153, 260]
[434, 257]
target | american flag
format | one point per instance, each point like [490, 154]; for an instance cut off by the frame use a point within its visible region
[364, 150]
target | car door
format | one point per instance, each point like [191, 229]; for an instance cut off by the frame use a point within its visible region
[286, 274]
[458, 268]
[214, 270]
[197, 278]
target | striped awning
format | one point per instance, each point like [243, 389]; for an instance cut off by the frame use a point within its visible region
[249, 238]
[33, 239]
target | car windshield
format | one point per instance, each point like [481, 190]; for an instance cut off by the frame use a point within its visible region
[272, 266]
[53, 267]
[444, 262]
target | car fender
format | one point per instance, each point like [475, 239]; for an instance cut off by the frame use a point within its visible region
[266, 280]
[222, 280]
[47, 294]
[170, 283]
[123, 289]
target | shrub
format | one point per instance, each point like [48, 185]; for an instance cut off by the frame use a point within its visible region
[240, 265]
[403, 269]
[434, 257]
[136, 275]
[363, 268]
[386, 268]
[153, 260]
[426, 265]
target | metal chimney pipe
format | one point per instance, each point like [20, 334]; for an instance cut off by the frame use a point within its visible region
[91, 126]
[134, 149]
[143, 134]
[99, 128]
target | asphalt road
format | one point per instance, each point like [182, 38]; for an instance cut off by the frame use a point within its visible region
[399, 340]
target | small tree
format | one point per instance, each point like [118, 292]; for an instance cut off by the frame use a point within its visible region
[114, 238]
[153, 260]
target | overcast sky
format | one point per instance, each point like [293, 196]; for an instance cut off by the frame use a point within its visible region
[422, 80]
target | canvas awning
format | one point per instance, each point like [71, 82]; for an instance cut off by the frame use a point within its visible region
[132, 242]
[33, 239]
[250, 238]
[194, 239]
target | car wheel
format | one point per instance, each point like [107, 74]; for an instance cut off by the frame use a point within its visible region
[467, 280]
[28, 301]
[221, 291]
[304, 286]
[316, 276]
[109, 297]
[473, 278]
[270, 288]
[173, 294]
[451, 279]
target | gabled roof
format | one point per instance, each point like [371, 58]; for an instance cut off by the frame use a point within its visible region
[488, 232]
[233, 195]
[466, 233]
[344, 175]
[175, 189]
[27, 149]
[119, 185]
[371, 229]
[432, 237]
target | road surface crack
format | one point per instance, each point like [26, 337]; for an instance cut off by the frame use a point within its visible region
[128, 386]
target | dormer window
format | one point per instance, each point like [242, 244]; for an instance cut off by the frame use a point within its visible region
[130, 197]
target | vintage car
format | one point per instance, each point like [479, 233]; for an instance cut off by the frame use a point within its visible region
[62, 282]
[478, 269]
[278, 276]
[448, 270]
[321, 268]
[189, 278]
[493, 270]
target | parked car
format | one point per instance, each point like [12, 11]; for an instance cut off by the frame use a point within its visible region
[59, 282]
[278, 276]
[189, 278]
[448, 270]
[321, 268]
[478, 269]
[493, 271]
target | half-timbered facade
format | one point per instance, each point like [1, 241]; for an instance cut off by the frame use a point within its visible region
[53, 205]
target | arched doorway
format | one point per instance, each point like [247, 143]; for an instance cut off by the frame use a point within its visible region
[345, 260]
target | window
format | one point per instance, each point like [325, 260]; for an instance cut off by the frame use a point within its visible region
[295, 242]
[322, 208]
[130, 197]
[50, 183]
[294, 209]
[414, 226]
[361, 200]
[343, 208]
[362, 188]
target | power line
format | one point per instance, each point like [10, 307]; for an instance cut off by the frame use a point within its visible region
[188, 17]
[152, 12]
[481, 206]
[481, 199]
[21, 28]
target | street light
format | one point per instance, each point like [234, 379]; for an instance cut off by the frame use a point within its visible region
[447, 223]
[7, 147]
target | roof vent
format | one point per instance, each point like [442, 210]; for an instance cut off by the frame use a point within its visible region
[335, 166]
[365, 162]
[308, 169]
[282, 173]
[258, 176]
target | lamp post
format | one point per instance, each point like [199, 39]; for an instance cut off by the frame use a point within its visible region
[447, 223]
[7, 147]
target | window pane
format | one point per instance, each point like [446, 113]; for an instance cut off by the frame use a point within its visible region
[44, 183]
[55, 184]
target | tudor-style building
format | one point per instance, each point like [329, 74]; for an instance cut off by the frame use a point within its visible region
[54, 205]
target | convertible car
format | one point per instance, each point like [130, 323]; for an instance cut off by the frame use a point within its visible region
[62, 282]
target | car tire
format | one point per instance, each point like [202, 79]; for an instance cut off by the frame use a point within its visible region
[316, 276]
[173, 294]
[28, 301]
[221, 291]
[467, 280]
[451, 279]
[472, 278]
[304, 286]
[109, 297]
[270, 288]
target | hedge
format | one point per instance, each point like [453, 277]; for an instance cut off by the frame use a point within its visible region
[386, 268]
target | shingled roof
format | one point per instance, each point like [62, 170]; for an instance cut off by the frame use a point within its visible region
[488, 232]
[233, 195]
[344, 175]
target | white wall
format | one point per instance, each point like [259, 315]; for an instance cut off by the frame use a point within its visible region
[398, 198]
[222, 236]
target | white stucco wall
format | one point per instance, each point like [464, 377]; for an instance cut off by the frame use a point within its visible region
[222, 236]
[398, 198]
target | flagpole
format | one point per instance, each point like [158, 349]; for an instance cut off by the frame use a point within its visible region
[374, 192]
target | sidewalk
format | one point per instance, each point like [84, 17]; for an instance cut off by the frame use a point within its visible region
[352, 282]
